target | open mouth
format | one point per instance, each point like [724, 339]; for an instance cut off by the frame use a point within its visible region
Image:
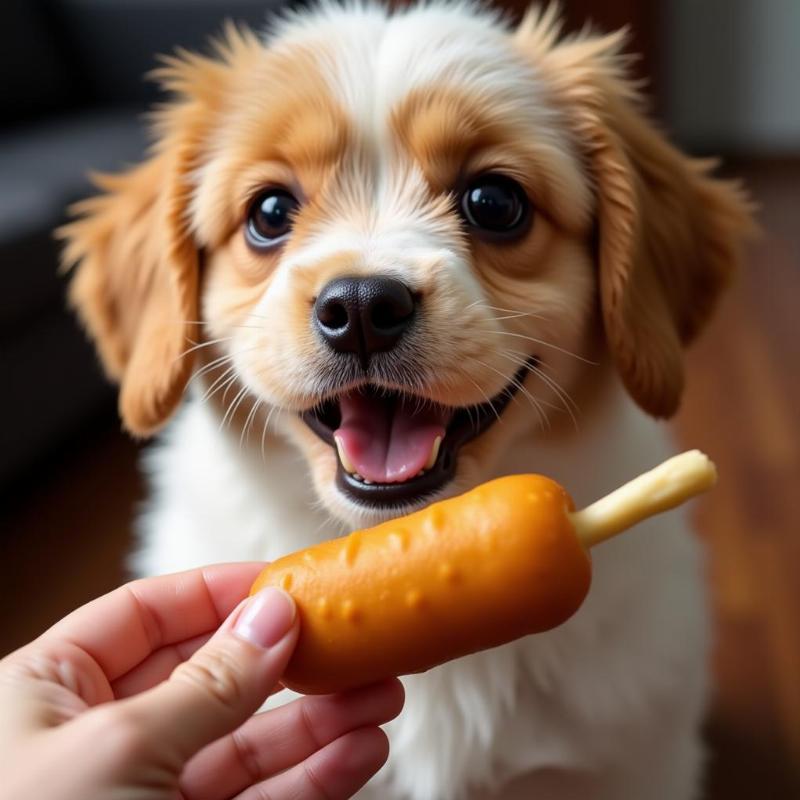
[395, 448]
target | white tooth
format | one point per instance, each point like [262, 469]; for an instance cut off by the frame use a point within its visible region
[346, 463]
[357, 476]
[434, 453]
[366, 481]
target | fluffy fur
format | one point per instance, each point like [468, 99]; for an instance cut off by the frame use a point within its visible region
[373, 120]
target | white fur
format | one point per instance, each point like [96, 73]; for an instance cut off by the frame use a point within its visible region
[413, 48]
[618, 691]
[373, 60]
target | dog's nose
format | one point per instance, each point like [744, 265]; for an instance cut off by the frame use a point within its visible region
[363, 315]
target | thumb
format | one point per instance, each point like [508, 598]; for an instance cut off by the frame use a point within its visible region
[225, 681]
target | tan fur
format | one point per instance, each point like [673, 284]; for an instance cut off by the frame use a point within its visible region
[136, 288]
[669, 234]
[455, 133]
[281, 125]
[136, 285]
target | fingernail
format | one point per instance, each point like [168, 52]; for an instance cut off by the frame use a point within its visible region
[267, 617]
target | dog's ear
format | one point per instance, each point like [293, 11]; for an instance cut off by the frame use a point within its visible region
[135, 286]
[136, 266]
[669, 235]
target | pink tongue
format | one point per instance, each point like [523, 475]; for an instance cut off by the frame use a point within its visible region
[388, 442]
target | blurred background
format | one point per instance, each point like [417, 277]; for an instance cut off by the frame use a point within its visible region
[724, 77]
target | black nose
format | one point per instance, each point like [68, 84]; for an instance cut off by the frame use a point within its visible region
[363, 315]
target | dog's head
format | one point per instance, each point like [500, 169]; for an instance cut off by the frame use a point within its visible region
[392, 231]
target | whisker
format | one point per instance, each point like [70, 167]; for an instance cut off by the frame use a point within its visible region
[221, 360]
[515, 316]
[488, 401]
[568, 404]
[259, 316]
[238, 405]
[509, 313]
[523, 359]
[217, 362]
[264, 433]
[217, 384]
[550, 345]
[559, 390]
[519, 385]
[513, 313]
[201, 345]
[229, 405]
[228, 383]
[249, 421]
[230, 412]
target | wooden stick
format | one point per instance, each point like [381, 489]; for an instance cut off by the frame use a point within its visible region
[663, 488]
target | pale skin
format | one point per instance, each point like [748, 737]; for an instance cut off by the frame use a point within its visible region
[149, 692]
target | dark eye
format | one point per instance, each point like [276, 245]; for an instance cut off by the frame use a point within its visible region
[495, 204]
[270, 217]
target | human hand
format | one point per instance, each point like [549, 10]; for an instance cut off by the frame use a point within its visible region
[141, 694]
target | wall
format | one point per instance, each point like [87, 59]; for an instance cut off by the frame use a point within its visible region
[731, 74]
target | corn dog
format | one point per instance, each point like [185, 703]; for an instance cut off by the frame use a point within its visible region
[507, 559]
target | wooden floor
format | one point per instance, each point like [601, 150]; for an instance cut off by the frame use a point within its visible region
[64, 537]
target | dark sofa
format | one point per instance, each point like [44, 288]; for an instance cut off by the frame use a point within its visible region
[72, 97]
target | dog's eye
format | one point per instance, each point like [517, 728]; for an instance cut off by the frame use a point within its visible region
[270, 217]
[496, 204]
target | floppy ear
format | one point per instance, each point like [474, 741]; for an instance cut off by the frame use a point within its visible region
[669, 235]
[135, 286]
[136, 278]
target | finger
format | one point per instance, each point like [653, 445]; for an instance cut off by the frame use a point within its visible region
[276, 740]
[336, 772]
[157, 667]
[220, 686]
[44, 685]
[122, 628]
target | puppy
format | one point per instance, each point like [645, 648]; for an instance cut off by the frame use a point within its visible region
[393, 255]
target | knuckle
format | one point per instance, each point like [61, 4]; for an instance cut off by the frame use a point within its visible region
[308, 723]
[216, 673]
[315, 786]
[247, 756]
